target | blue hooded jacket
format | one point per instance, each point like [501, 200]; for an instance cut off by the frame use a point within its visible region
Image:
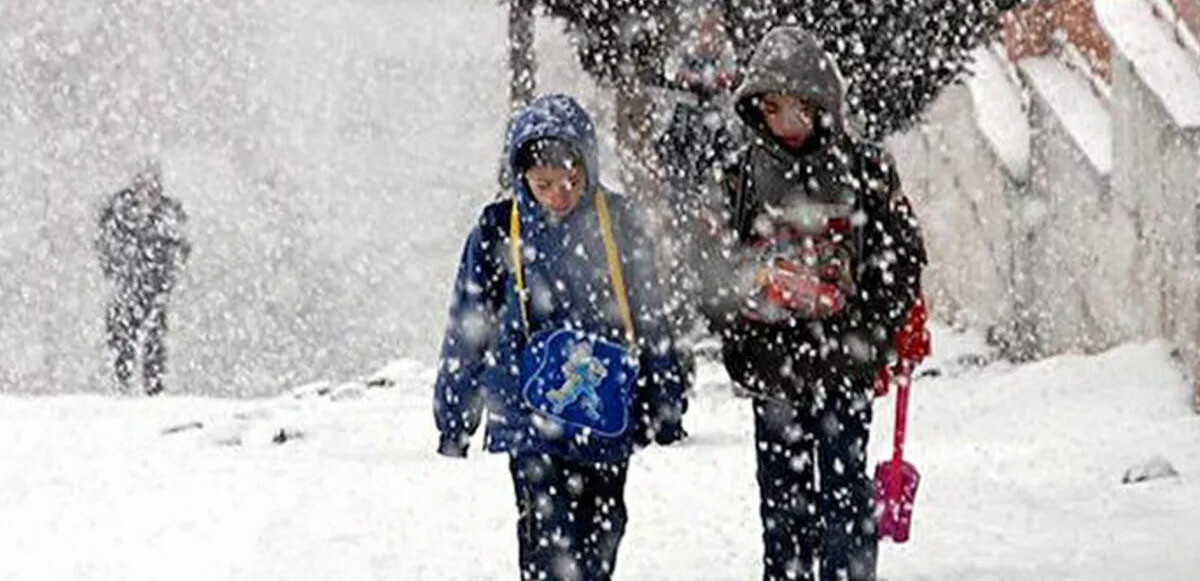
[568, 285]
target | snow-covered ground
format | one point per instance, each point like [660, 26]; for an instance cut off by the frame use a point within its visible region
[1022, 469]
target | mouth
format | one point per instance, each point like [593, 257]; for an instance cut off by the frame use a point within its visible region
[558, 204]
[794, 141]
[559, 208]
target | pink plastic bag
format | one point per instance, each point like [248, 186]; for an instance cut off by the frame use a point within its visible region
[896, 480]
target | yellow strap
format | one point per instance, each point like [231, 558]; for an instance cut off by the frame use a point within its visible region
[610, 249]
[614, 267]
[514, 235]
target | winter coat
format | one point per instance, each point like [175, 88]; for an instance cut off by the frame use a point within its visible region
[141, 241]
[567, 280]
[799, 360]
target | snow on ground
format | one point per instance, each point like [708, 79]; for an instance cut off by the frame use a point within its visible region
[1021, 465]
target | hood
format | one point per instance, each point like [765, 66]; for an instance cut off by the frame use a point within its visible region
[790, 60]
[557, 116]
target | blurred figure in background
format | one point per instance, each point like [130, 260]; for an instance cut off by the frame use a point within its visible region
[142, 250]
[692, 150]
[704, 73]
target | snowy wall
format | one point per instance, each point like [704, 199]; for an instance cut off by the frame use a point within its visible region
[1071, 247]
[963, 194]
[1104, 234]
[965, 169]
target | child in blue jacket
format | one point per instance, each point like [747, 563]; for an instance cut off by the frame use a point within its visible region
[557, 331]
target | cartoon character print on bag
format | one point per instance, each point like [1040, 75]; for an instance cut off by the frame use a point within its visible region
[584, 373]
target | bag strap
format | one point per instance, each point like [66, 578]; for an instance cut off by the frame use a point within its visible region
[514, 239]
[610, 249]
[614, 267]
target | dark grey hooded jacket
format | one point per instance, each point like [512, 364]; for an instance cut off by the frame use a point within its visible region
[141, 241]
[835, 172]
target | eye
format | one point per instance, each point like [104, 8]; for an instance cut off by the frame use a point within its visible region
[770, 108]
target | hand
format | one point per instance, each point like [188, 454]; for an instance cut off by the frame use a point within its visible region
[883, 381]
[663, 430]
[913, 341]
[643, 436]
[786, 293]
[710, 222]
[726, 79]
[758, 304]
[452, 446]
[665, 435]
[670, 433]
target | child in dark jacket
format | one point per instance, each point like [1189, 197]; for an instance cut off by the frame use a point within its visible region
[557, 332]
[829, 258]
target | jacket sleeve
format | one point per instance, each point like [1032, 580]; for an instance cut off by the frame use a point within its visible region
[471, 335]
[893, 257]
[720, 254]
[662, 387]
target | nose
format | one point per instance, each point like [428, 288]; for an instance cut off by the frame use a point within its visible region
[797, 119]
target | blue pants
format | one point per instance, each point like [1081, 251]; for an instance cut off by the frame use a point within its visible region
[816, 498]
[571, 517]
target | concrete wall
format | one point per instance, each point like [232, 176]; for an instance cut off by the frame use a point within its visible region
[1102, 249]
[1158, 186]
[1063, 247]
[963, 196]
[1156, 81]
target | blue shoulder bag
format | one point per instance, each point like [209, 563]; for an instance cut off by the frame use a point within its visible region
[581, 382]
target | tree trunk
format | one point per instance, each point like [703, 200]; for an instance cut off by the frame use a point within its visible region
[522, 61]
[522, 67]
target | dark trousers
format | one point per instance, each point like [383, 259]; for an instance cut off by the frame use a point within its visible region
[571, 517]
[134, 318]
[816, 498]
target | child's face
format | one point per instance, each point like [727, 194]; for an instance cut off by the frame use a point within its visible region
[709, 31]
[557, 189]
[790, 118]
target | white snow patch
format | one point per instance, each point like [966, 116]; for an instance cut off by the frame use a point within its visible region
[999, 113]
[1149, 45]
[1076, 106]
